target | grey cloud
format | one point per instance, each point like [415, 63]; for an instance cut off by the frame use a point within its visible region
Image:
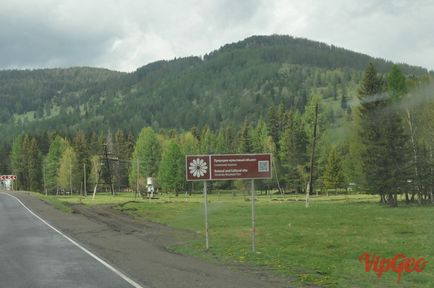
[124, 35]
[43, 36]
[22, 46]
[229, 13]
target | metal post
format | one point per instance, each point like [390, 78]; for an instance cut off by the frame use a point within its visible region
[70, 175]
[45, 185]
[432, 198]
[137, 178]
[206, 215]
[84, 177]
[253, 216]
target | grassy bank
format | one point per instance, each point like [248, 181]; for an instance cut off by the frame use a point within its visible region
[319, 245]
[56, 202]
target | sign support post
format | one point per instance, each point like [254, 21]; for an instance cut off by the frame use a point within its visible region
[84, 180]
[137, 178]
[206, 214]
[253, 217]
[45, 185]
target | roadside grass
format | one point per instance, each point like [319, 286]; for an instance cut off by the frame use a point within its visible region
[63, 202]
[317, 246]
[56, 202]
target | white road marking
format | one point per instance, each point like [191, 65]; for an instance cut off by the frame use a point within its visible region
[117, 272]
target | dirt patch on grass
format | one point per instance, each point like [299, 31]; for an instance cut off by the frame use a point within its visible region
[160, 235]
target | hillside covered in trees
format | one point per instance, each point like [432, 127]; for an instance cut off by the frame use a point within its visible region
[236, 82]
[257, 95]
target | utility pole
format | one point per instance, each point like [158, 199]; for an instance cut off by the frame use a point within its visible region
[108, 169]
[105, 161]
[312, 156]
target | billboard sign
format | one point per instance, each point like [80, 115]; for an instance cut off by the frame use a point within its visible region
[228, 167]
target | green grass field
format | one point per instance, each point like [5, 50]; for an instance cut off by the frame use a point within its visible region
[319, 245]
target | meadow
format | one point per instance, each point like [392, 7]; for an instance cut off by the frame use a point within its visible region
[315, 246]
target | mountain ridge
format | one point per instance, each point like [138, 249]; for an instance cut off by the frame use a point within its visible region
[224, 87]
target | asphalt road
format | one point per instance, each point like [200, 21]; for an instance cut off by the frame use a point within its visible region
[33, 254]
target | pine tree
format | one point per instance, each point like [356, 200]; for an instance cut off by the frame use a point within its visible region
[16, 159]
[293, 155]
[34, 166]
[260, 138]
[383, 138]
[244, 142]
[333, 172]
[397, 88]
[5, 160]
[282, 117]
[273, 126]
[26, 163]
[25, 148]
[396, 83]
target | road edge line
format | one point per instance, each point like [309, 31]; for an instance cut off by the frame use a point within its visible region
[113, 269]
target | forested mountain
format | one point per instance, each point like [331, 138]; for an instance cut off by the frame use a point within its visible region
[374, 121]
[236, 82]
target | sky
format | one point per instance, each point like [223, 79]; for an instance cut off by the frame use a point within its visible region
[124, 35]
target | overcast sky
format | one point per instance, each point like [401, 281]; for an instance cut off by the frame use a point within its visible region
[126, 34]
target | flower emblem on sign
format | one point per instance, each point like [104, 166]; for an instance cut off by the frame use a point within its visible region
[198, 168]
